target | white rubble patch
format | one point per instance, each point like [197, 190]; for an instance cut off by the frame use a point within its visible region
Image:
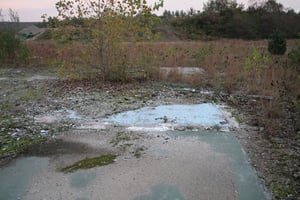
[48, 118]
[57, 116]
[158, 128]
[169, 117]
[184, 71]
[39, 77]
[94, 125]
[3, 78]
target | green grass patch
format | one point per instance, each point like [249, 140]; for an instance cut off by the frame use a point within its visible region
[282, 192]
[90, 163]
[238, 117]
[216, 127]
[31, 94]
[11, 146]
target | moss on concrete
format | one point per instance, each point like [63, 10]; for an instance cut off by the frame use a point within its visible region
[90, 163]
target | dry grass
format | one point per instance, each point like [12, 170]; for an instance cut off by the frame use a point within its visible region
[222, 60]
[224, 63]
[42, 52]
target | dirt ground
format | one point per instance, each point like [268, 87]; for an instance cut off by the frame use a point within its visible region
[32, 94]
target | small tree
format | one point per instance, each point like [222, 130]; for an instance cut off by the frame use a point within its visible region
[106, 25]
[13, 16]
[219, 6]
[277, 44]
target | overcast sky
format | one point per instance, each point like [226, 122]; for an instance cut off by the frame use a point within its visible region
[32, 10]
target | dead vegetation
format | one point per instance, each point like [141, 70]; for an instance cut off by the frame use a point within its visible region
[230, 65]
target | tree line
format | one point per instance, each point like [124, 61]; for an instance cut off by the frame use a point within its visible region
[226, 18]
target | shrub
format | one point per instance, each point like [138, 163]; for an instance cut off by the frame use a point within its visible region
[277, 44]
[12, 51]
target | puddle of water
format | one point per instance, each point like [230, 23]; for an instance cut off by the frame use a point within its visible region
[82, 179]
[206, 115]
[246, 180]
[162, 192]
[16, 179]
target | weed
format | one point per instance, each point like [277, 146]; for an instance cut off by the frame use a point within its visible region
[201, 54]
[138, 152]
[30, 95]
[90, 163]
[7, 123]
[216, 127]
[125, 146]
[238, 117]
[120, 137]
[282, 193]
[255, 61]
[11, 146]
